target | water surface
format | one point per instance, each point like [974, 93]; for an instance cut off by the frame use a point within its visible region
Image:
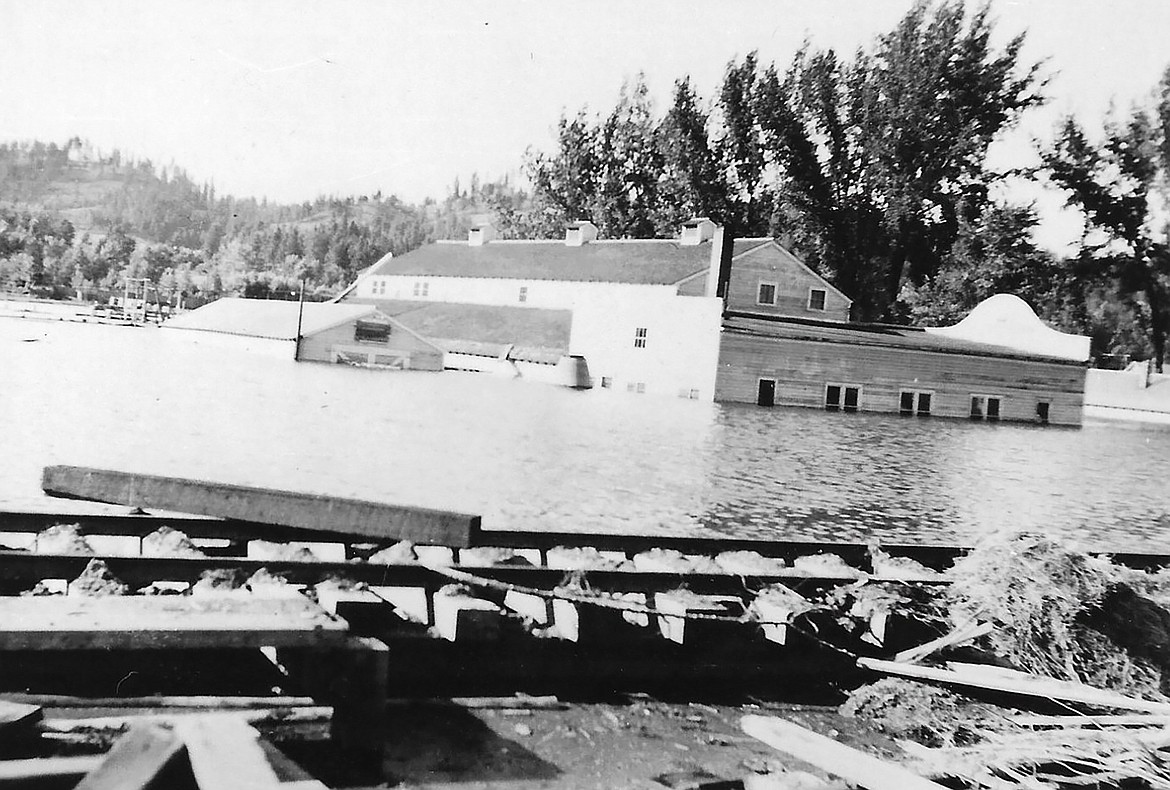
[530, 456]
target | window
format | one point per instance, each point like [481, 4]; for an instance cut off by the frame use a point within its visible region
[985, 407]
[689, 394]
[816, 299]
[842, 397]
[606, 382]
[694, 394]
[1042, 412]
[421, 287]
[766, 394]
[636, 386]
[371, 332]
[915, 402]
[523, 293]
[767, 293]
[640, 337]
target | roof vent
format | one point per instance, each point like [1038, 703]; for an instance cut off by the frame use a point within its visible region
[481, 235]
[696, 231]
[578, 233]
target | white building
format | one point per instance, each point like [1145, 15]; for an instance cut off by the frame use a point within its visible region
[642, 315]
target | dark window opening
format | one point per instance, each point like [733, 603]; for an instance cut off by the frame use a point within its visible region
[993, 408]
[606, 382]
[816, 299]
[852, 395]
[915, 402]
[640, 337]
[1042, 412]
[767, 293]
[832, 397]
[371, 332]
[767, 393]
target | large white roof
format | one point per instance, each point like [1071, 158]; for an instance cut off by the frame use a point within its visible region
[1006, 320]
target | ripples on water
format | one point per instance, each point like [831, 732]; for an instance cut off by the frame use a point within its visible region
[529, 456]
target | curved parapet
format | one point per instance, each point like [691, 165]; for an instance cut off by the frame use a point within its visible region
[1007, 321]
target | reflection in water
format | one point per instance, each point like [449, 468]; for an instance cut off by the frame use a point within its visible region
[537, 457]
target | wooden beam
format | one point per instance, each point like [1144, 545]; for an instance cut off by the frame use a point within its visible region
[351, 517]
[832, 757]
[1009, 681]
[136, 760]
[225, 753]
[62, 701]
[17, 715]
[168, 621]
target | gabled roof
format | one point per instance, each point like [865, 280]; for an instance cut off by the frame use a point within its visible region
[887, 335]
[272, 319]
[641, 261]
[742, 247]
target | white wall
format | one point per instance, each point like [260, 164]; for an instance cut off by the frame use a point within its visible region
[546, 294]
[682, 342]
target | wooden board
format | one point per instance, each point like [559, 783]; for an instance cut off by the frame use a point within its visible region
[225, 753]
[352, 517]
[168, 621]
[17, 715]
[1010, 681]
[835, 758]
[46, 771]
[136, 760]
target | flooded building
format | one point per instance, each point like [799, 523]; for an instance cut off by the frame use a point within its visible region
[708, 317]
[328, 332]
[632, 315]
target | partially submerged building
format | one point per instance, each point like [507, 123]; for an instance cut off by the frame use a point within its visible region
[328, 332]
[708, 317]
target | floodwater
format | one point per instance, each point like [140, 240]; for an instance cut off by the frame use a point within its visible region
[531, 456]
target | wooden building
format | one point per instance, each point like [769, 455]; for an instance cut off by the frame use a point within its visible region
[1000, 363]
[348, 333]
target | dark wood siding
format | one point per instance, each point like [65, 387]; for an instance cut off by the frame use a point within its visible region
[802, 368]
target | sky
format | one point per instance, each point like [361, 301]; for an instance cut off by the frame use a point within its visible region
[291, 99]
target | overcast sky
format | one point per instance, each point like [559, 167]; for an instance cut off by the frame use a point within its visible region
[290, 99]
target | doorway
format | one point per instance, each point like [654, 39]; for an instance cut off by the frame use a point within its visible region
[767, 393]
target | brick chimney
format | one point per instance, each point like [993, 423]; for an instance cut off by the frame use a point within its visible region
[579, 233]
[696, 231]
[481, 234]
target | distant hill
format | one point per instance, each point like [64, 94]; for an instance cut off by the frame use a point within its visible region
[76, 219]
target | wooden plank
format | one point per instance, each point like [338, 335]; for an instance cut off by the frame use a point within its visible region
[61, 701]
[312, 714]
[1012, 682]
[836, 758]
[225, 753]
[1131, 720]
[136, 760]
[957, 636]
[350, 517]
[166, 621]
[46, 771]
[17, 716]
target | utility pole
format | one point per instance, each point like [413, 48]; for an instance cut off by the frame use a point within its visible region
[300, 317]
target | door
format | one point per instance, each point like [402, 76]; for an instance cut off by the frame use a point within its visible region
[767, 394]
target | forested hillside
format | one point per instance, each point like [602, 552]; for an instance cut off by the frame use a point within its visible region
[72, 218]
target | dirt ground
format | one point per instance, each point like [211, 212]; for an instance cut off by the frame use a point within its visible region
[640, 743]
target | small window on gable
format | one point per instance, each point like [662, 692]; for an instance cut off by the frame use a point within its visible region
[606, 382]
[523, 293]
[640, 337]
[767, 294]
[816, 299]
